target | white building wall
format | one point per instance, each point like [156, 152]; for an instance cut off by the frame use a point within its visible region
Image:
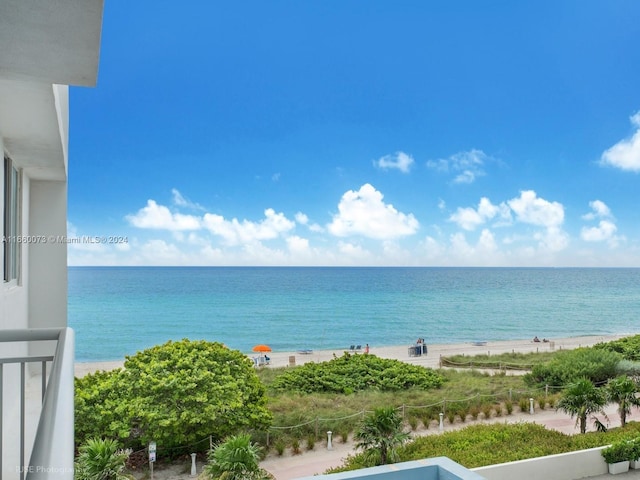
[48, 261]
[13, 295]
[564, 466]
[14, 314]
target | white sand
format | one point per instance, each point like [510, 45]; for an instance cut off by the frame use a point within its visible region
[400, 352]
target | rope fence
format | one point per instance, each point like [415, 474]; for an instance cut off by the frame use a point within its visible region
[318, 421]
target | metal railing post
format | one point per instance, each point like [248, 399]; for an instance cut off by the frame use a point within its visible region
[22, 417]
[53, 448]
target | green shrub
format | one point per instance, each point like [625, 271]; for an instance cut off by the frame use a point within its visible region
[426, 420]
[508, 405]
[355, 373]
[463, 411]
[620, 451]
[635, 448]
[568, 366]
[627, 347]
[451, 416]
[523, 404]
[175, 394]
[100, 458]
[280, 446]
[295, 446]
[236, 458]
[474, 411]
[413, 422]
[488, 444]
[542, 402]
[311, 442]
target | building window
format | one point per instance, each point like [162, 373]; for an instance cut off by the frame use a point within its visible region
[11, 221]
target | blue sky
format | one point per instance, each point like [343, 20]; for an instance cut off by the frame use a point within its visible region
[360, 133]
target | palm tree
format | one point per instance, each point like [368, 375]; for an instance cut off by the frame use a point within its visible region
[380, 434]
[622, 390]
[582, 399]
[101, 459]
[237, 458]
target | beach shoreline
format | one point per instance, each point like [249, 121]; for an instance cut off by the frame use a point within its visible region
[401, 352]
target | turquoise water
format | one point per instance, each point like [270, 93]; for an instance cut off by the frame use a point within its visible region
[117, 311]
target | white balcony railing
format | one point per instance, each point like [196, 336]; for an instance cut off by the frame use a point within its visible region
[52, 448]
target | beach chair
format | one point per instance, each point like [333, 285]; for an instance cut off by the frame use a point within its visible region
[359, 347]
[352, 347]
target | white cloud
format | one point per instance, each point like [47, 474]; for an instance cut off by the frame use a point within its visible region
[235, 232]
[159, 217]
[466, 176]
[364, 213]
[159, 252]
[400, 161]
[301, 218]
[553, 239]
[297, 244]
[469, 218]
[533, 210]
[487, 242]
[625, 154]
[466, 166]
[599, 210]
[530, 208]
[604, 231]
[352, 251]
[180, 201]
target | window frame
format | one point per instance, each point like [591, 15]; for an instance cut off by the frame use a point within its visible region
[12, 247]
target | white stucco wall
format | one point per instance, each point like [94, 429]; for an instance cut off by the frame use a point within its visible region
[14, 311]
[48, 261]
[13, 296]
[564, 466]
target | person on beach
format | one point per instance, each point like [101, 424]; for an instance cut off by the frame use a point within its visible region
[366, 348]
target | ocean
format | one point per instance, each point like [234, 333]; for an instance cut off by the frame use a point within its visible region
[117, 311]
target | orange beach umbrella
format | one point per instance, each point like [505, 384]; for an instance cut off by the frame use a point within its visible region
[262, 348]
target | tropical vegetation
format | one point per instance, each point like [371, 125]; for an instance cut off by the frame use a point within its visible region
[488, 444]
[354, 373]
[569, 366]
[236, 458]
[101, 459]
[175, 394]
[581, 400]
[379, 436]
[627, 347]
[195, 391]
[620, 451]
[622, 391]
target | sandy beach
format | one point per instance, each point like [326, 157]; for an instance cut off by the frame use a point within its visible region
[401, 352]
